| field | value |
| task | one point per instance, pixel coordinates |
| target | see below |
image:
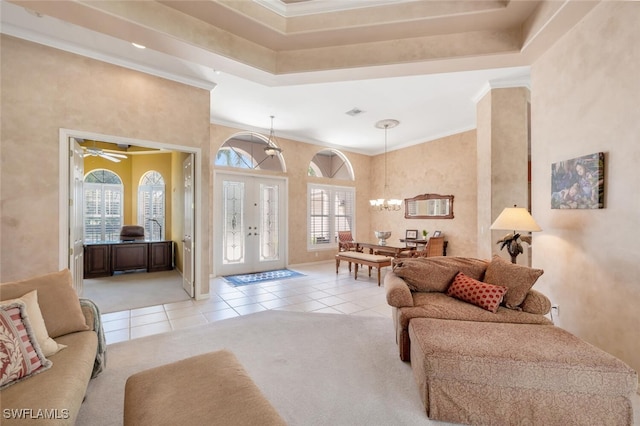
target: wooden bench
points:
(370, 260)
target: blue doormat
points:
(260, 277)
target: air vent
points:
(354, 111)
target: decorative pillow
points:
(434, 274)
(58, 300)
(486, 296)
(536, 303)
(517, 278)
(20, 354)
(47, 344)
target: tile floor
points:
(320, 290)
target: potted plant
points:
(424, 234)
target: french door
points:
(250, 233)
(188, 260)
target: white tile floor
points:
(320, 290)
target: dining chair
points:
(346, 241)
(435, 247)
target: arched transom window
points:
(330, 163)
(247, 151)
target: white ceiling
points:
(308, 106)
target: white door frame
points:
(216, 246)
(63, 225)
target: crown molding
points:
(524, 81)
(35, 37)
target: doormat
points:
(260, 277)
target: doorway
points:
(71, 225)
(250, 218)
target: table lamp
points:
(515, 219)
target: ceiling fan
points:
(97, 152)
(94, 151)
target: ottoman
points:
(208, 389)
(508, 374)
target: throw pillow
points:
(429, 274)
(47, 344)
(20, 354)
(517, 278)
(486, 296)
(58, 300)
(536, 303)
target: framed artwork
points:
(437, 233)
(578, 183)
(411, 234)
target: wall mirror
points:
(429, 206)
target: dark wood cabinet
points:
(103, 259)
(129, 256)
(160, 256)
(97, 260)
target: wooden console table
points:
(423, 242)
(102, 259)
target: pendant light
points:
(272, 149)
(381, 204)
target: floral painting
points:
(578, 183)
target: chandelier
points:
(385, 203)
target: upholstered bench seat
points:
(208, 389)
(370, 260)
(507, 374)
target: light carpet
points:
(134, 290)
(316, 369)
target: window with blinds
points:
(103, 207)
(151, 205)
(331, 209)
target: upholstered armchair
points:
(346, 242)
(435, 247)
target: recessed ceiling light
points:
(139, 46)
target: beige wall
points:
(445, 166)
(503, 155)
(45, 89)
(585, 93)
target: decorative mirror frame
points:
(425, 197)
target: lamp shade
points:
(515, 219)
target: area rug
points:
(259, 277)
(314, 368)
(134, 290)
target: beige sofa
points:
(70, 346)
(417, 288)
(482, 350)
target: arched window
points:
(234, 157)
(103, 207)
(151, 205)
(330, 163)
(247, 151)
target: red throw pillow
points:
(486, 296)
